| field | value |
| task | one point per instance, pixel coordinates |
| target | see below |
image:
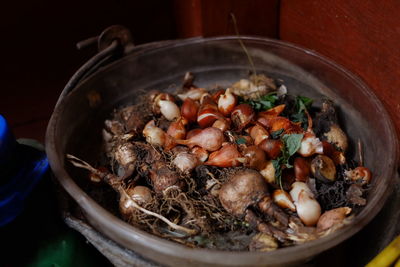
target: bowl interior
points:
(76, 126)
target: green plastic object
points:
(67, 249)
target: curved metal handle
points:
(113, 42)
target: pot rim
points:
(159, 245)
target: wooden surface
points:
(211, 18)
(363, 36)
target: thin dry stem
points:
(242, 44)
(158, 216)
(360, 152)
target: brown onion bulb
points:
(177, 129)
(272, 147)
(223, 124)
(283, 199)
(359, 174)
(200, 153)
(227, 156)
(209, 138)
(301, 169)
(242, 115)
(255, 158)
(277, 123)
(227, 102)
(328, 148)
(272, 112)
(263, 121)
(258, 133)
(193, 132)
(189, 109)
(217, 95)
(140, 194)
(207, 117)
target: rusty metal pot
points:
(75, 127)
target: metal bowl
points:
(75, 128)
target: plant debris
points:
(248, 167)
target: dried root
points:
(116, 184)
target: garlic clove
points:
(169, 109)
(310, 145)
(154, 135)
(186, 162)
(297, 187)
(332, 217)
(268, 172)
(307, 208)
(192, 93)
(283, 200)
(200, 153)
(157, 97)
(226, 102)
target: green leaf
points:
(263, 103)
(278, 170)
(302, 105)
(277, 134)
(292, 142)
(266, 104)
(241, 141)
(271, 97)
(306, 101)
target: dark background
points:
(39, 53)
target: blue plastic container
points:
(21, 167)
